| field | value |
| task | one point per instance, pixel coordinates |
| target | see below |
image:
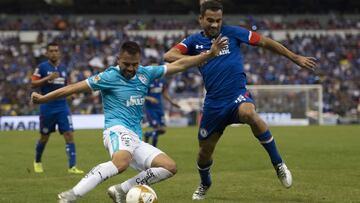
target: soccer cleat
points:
(67, 197)
(117, 194)
(38, 167)
(75, 170)
(284, 175)
(200, 192)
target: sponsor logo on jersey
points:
(142, 78)
(135, 101)
(240, 99)
(199, 46)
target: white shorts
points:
(120, 138)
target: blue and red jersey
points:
(224, 76)
(44, 69)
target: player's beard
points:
(127, 74)
(54, 60)
(213, 32)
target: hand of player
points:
(218, 44)
(152, 100)
(176, 105)
(36, 98)
(305, 62)
(52, 76)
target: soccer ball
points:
(141, 194)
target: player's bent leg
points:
(205, 162)
(120, 161)
(71, 153)
(154, 166)
(260, 130)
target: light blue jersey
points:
(123, 99)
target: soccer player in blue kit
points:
(123, 89)
(227, 100)
(154, 109)
(49, 76)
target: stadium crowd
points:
(86, 54)
(63, 22)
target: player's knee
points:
(121, 160)
(44, 139)
(171, 166)
(121, 166)
(247, 115)
(205, 154)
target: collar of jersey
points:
(118, 68)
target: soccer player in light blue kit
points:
(154, 109)
(123, 89)
(227, 99)
(49, 76)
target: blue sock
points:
(155, 136)
(39, 151)
(147, 136)
(204, 171)
(71, 153)
(268, 142)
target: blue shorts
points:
(62, 119)
(155, 118)
(215, 120)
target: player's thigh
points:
(207, 146)
(119, 138)
(64, 121)
(144, 156)
(213, 121)
(47, 123)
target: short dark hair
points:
(213, 5)
(52, 44)
(130, 47)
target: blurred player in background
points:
(123, 89)
(49, 76)
(154, 109)
(227, 99)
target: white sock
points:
(97, 175)
(148, 177)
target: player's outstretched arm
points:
(191, 61)
(173, 54)
(62, 92)
(302, 61)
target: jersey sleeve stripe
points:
(182, 47)
(165, 70)
(88, 83)
(254, 38)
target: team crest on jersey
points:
(97, 78)
(142, 78)
(226, 49)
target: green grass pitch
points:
(325, 162)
